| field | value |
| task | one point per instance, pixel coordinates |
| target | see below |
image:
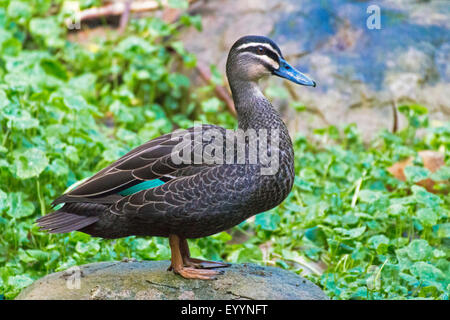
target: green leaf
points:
(424, 197)
(415, 173)
(426, 271)
(351, 233)
(195, 20)
(303, 184)
(59, 167)
(24, 257)
(397, 209)
(268, 220)
(126, 135)
(427, 216)
(46, 28)
(370, 196)
(121, 112)
(11, 47)
(74, 101)
(20, 10)
(417, 108)
(18, 207)
(19, 282)
(3, 200)
(134, 44)
(316, 235)
(178, 47)
(38, 255)
(179, 80)
(54, 68)
(90, 248)
(83, 83)
(4, 101)
(222, 236)
(71, 153)
(249, 253)
(419, 249)
(29, 162)
(404, 260)
(19, 119)
(112, 154)
(211, 105)
(143, 244)
(298, 106)
(339, 170)
(178, 4)
(378, 240)
(442, 174)
(442, 230)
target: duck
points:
(195, 182)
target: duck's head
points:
(254, 57)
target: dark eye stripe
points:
(266, 51)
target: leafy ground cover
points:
(68, 110)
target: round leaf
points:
(416, 173)
(18, 206)
(419, 249)
(29, 162)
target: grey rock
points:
(150, 280)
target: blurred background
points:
(83, 82)
(361, 71)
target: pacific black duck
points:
(149, 192)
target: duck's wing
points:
(147, 166)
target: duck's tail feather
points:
(69, 218)
(62, 222)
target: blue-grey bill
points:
(288, 72)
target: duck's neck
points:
(256, 112)
(252, 107)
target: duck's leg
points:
(178, 267)
(197, 263)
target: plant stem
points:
(40, 197)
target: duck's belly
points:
(214, 220)
(192, 227)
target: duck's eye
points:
(260, 50)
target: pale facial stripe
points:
(256, 44)
(266, 59)
(269, 60)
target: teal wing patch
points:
(149, 184)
